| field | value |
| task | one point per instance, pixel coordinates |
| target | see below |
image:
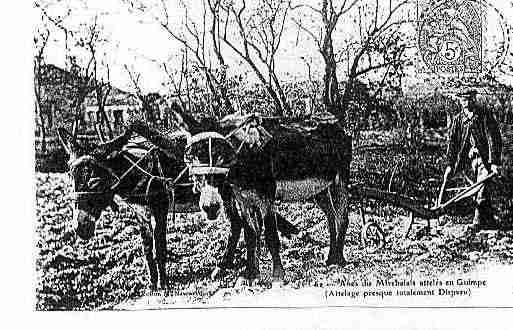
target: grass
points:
(110, 269)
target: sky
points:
(137, 41)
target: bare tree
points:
(84, 67)
(380, 45)
(256, 39)
(313, 85)
(47, 23)
(199, 38)
(102, 89)
(214, 7)
(179, 80)
(378, 29)
(100, 75)
(329, 15)
(82, 46)
(40, 41)
(46, 27)
(150, 106)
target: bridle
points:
(197, 169)
(73, 164)
(170, 184)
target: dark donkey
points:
(289, 165)
(102, 171)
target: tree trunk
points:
(223, 90)
(42, 128)
(102, 92)
(268, 86)
(103, 119)
(284, 104)
(331, 93)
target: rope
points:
(170, 191)
(235, 130)
(134, 164)
(180, 176)
(143, 220)
(173, 207)
(148, 185)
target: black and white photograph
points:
(277, 154)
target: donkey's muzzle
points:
(211, 210)
(85, 227)
(210, 201)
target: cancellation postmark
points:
(450, 36)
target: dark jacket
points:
(484, 128)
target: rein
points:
(169, 183)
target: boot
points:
(483, 217)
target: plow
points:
(373, 236)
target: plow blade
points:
(395, 199)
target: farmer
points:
(474, 143)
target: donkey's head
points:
(92, 180)
(209, 156)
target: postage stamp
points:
(450, 36)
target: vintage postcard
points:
(273, 153)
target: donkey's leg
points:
(233, 238)
(160, 210)
(334, 203)
(273, 244)
(147, 244)
(252, 233)
(252, 225)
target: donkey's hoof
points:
(242, 282)
(217, 273)
(153, 287)
(340, 261)
(165, 288)
(278, 277)
(246, 282)
(277, 283)
(164, 285)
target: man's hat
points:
(467, 93)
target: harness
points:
(214, 166)
(169, 184)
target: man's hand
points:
(496, 169)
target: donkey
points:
(102, 171)
(289, 165)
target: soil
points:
(109, 271)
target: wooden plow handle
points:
(467, 192)
(412, 205)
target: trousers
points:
(483, 214)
